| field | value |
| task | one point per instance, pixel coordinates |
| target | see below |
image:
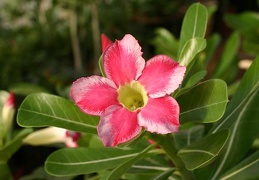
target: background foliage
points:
(50, 43)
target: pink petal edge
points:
(123, 60)
(161, 76)
(118, 125)
(106, 42)
(94, 94)
(160, 115)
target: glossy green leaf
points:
(121, 169)
(247, 169)
(191, 48)
(186, 137)
(228, 55)
(205, 102)
(242, 118)
(12, 146)
(194, 24)
(38, 110)
(76, 161)
(203, 151)
(26, 89)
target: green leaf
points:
(12, 146)
(100, 62)
(38, 110)
(241, 117)
(164, 175)
(5, 171)
(205, 102)
(194, 24)
(121, 169)
(165, 43)
(186, 137)
(228, 55)
(26, 89)
(76, 161)
(203, 151)
(195, 78)
(212, 45)
(247, 88)
(247, 169)
(191, 48)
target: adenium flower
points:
(134, 94)
(52, 135)
(8, 111)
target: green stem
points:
(166, 142)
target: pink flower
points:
(134, 95)
(52, 135)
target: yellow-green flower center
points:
(132, 95)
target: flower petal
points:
(94, 94)
(123, 61)
(161, 76)
(49, 135)
(160, 115)
(118, 125)
(106, 42)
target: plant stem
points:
(166, 142)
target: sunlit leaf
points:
(38, 110)
(74, 161)
(194, 24)
(205, 102)
(203, 151)
(191, 49)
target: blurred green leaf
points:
(26, 89)
(186, 137)
(205, 102)
(194, 24)
(76, 161)
(191, 48)
(12, 146)
(247, 169)
(203, 151)
(228, 56)
(40, 109)
(242, 118)
(212, 45)
(242, 21)
(121, 169)
(165, 43)
(5, 171)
